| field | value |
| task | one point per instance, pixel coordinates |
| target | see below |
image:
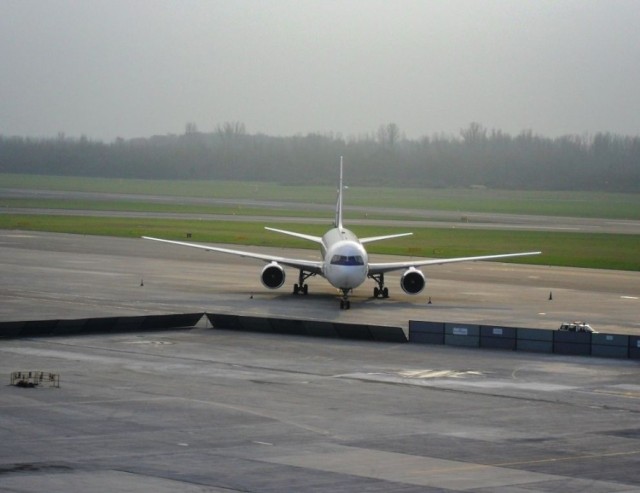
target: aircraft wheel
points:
(305, 289)
(296, 289)
(385, 293)
(376, 292)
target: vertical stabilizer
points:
(338, 223)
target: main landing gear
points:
(380, 291)
(300, 287)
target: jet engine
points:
(412, 281)
(272, 276)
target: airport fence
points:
(315, 328)
(525, 339)
(420, 332)
(62, 327)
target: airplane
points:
(344, 260)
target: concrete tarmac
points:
(207, 410)
(46, 276)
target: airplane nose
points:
(348, 277)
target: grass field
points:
(132, 206)
(572, 204)
(600, 251)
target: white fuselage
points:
(345, 259)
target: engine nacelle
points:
(272, 276)
(412, 281)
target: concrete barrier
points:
(316, 328)
(420, 332)
(576, 343)
(35, 328)
(495, 337)
(610, 345)
(308, 328)
(384, 333)
(467, 335)
(99, 324)
(634, 347)
(534, 340)
(525, 339)
(255, 324)
(11, 329)
(70, 327)
(128, 324)
(171, 321)
(353, 331)
(426, 332)
(224, 321)
(288, 326)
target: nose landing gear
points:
(345, 304)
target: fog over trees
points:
(475, 157)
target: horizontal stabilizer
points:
(386, 237)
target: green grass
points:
(572, 204)
(601, 251)
(155, 207)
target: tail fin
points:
(338, 222)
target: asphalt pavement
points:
(209, 410)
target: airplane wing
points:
(306, 265)
(381, 268)
(316, 239)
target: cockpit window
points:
(347, 260)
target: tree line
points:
(475, 157)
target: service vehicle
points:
(577, 326)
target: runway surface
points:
(208, 410)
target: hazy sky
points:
(138, 68)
